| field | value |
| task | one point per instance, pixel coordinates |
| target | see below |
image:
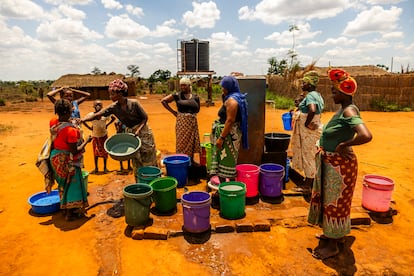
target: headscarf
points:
(186, 81)
(118, 85)
(311, 77)
(232, 86)
(343, 81)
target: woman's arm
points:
(231, 112)
(51, 95)
(309, 117)
(165, 102)
(84, 97)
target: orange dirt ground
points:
(47, 245)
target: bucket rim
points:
(254, 167)
(141, 195)
(237, 183)
(164, 178)
(282, 168)
(191, 202)
(149, 174)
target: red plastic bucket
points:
(249, 175)
(376, 192)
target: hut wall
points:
(391, 89)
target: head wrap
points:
(232, 86)
(343, 81)
(118, 85)
(186, 81)
(311, 77)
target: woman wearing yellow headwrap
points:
(337, 167)
(307, 129)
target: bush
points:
(2, 102)
(380, 104)
(280, 102)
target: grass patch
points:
(280, 102)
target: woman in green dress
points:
(337, 167)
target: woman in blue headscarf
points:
(229, 130)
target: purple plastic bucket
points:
(196, 211)
(271, 179)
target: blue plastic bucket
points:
(177, 167)
(196, 211)
(271, 179)
(287, 121)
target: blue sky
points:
(42, 40)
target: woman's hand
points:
(345, 151)
(219, 143)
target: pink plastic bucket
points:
(376, 193)
(249, 175)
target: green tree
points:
(160, 75)
(277, 67)
(134, 70)
(96, 71)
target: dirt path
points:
(47, 245)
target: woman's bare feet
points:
(329, 250)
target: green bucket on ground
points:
(232, 199)
(137, 204)
(85, 175)
(165, 193)
(147, 174)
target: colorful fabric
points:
(146, 155)
(311, 77)
(343, 81)
(98, 146)
(224, 161)
(186, 134)
(304, 144)
(232, 86)
(333, 188)
(72, 190)
(118, 85)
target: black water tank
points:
(195, 55)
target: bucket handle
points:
(139, 202)
(188, 207)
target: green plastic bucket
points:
(165, 193)
(85, 175)
(137, 204)
(147, 174)
(232, 199)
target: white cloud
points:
(65, 29)
(286, 37)
(374, 20)
(330, 42)
(123, 27)
(204, 15)
(276, 12)
(137, 11)
(165, 29)
(111, 4)
(71, 12)
(225, 41)
(20, 9)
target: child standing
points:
(120, 128)
(99, 136)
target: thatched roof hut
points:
(96, 85)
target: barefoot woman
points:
(337, 167)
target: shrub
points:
(280, 102)
(2, 102)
